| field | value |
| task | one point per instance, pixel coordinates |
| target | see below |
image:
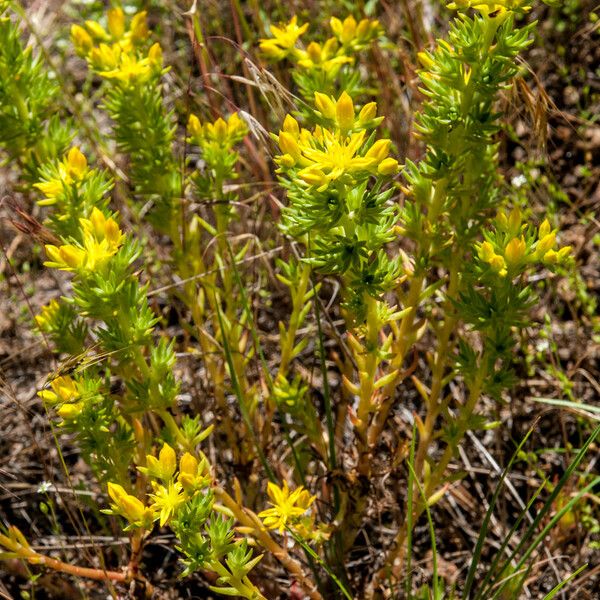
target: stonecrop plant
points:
(233, 386)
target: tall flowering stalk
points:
(452, 197)
(120, 53)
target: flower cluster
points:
(182, 498)
(133, 98)
(171, 488)
(343, 154)
(216, 141)
(514, 245)
(317, 66)
(118, 52)
(101, 238)
(492, 7)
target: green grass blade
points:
(547, 507)
(434, 562)
(538, 540)
(562, 584)
(486, 521)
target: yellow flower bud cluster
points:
(118, 52)
(223, 133)
(324, 155)
(327, 58)
(514, 245)
(492, 7)
(101, 237)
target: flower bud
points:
(486, 251)
(515, 251)
(290, 125)
(97, 31)
(76, 163)
(344, 110)
(155, 56)
(194, 126)
(379, 150)
(289, 145)
(139, 27)
(514, 220)
(545, 229)
(368, 112)
(81, 40)
(388, 166)
(325, 105)
(348, 30)
(116, 22)
(546, 243)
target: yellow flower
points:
(130, 69)
(105, 57)
(287, 507)
(71, 170)
(162, 467)
(324, 58)
(166, 500)
(116, 22)
(101, 240)
(193, 474)
(355, 35)
(515, 251)
(100, 228)
(284, 39)
(346, 30)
